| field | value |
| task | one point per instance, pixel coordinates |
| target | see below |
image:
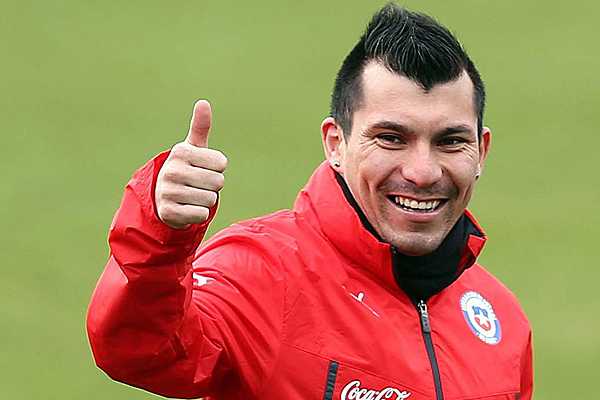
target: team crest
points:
(480, 317)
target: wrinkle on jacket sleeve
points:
(153, 323)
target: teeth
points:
(417, 205)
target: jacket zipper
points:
(426, 331)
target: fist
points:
(191, 177)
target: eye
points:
(452, 142)
(390, 140)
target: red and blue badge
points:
(480, 317)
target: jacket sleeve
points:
(527, 371)
(154, 323)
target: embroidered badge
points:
(480, 317)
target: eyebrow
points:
(389, 125)
(398, 127)
(460, 128)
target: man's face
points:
(412, 158)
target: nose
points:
(421, 167)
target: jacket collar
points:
(341, 221)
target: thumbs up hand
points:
(192, 175)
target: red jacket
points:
(299, 304)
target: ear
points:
(484, 147)
(332, 137)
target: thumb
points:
(200, 125)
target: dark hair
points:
(410, 44)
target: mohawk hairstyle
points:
(410, 44)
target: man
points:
(368, 289)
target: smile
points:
(413, 205)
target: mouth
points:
(417, 206)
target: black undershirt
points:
(420, 277)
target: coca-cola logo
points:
(353, 391)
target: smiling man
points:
(367, 289)
(411, 156)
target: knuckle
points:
(159, 198)
(203, 213)
(211, 199)
(171, 194)
(219, 181)
(181, 151)
(221, 161)
(214, 159)
(165, 212)
(172, 174)
(177, 149)
(200, 215)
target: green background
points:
(89, 90)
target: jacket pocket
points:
(346, 382)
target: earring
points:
(336, 163)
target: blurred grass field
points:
(90, 90)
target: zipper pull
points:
(424, 316)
